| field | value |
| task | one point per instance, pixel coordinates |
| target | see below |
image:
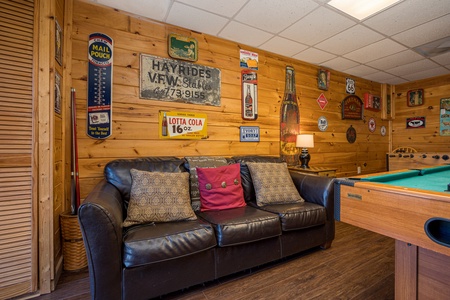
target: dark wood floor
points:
(359, 265)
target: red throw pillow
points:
(220, 188)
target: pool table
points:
(413, 207)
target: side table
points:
(320, 171)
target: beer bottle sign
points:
(289, 121)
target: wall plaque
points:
(182, 125)
(178, 81)
(352, 108)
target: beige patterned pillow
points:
(158, 197)
(273, 184)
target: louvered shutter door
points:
(17, 243)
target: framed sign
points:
(372, 102)
(415, 122)
(352, 108)
(183, 47)
(323, 79)
(172, 80)
(249, 81)
(415, 97)
(182, 125)
(445, 117)
(249, 134)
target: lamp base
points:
(304, 159)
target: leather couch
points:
(150, 260)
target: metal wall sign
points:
(182, 125)
(99, 100)
(179, 81)
(249, 133)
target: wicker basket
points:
(74, 253)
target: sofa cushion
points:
(117, 172)
(220, 188)
(273, 184)
(247, 183)
(159, 197)
(296, 216)
(194, 162)
(152, 243)
(242, 225)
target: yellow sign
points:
(182, 125)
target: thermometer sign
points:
(100, 54)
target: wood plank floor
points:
(359, 265)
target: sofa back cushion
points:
(117, 172)
(247, 183)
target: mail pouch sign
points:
(172, 80)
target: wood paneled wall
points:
(425, 139)
(135, 128)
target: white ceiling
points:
(381, 48)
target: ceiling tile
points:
(351, 39)
(198, 20)
(442, 59)
(395, 60)
(153, 9)
(317, 26)
(225, 8)
(314, 56)
(244, 34)
(340, 63)
(408, 14)
(413, 67)
(433, 30)
(283, 46)
(381, 77)
(361, 70)
(274, 16)
(375, 51)
(426, 74)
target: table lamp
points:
(305, 141)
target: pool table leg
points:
(405, 271)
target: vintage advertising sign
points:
(182, 125)
(249, 81)
(445, 117)
(352, 108)
(179, 81)
(99, 99)
(322, 101)
(415, 122)
(249, 134)
(183, 47)
(248, 59)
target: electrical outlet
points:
(358, 170)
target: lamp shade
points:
(305, 141)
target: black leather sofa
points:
(147, 261)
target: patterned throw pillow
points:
(220, 188)
(273, 184)
(195, 162)
(158, 197)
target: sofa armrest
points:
(319, 190)
(101, 217)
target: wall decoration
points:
(351, 134)
(415, 97)
(322, 101)
(58, 43)
(171, 80)
(372, 125)
(350, 87)
(248, 59)
(445, 117)
(322, 123)
(372, 102)
(249, 133)
(249, 86)
(57, 104)
(323, 79)
(183, 47)
(352, 108)
(99, 102)
(182, 125)
(289, 121)
(383, 130)
(415, 122)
